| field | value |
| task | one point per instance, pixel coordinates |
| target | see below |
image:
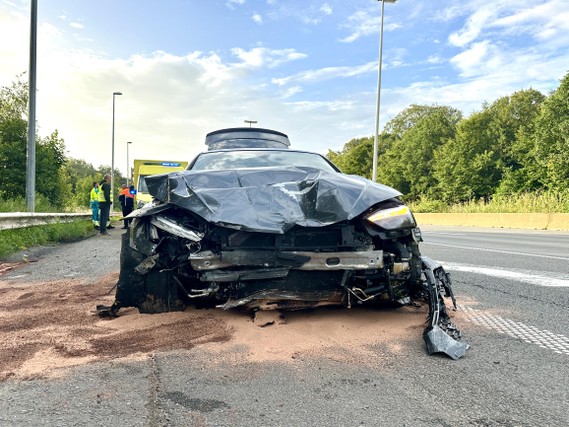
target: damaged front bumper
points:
(440, 335)
(167, 263)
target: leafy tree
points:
(408, 118)
(551, 139)
(514, 118)
(79, 170)
(83, 186)
(485, 150)
(13, 142)
(464, 166)
(14, 100)
(390, 167)
(51, 178)
(355, 158)
(50, 159)
(407, 164)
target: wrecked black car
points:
(254, 224)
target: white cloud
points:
(257, 18)
(313, 15)
(255, 57)
(326, 73)
(487, 38)
(364, 23)
(474, 26)
(13, 55)
(261, 56)
(447, 14)
(473, 61)
(291, 91)
(231, 3)
(76, 25)
(310, 14)
(435, 59)
(546, 20)
(326, 9)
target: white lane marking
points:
(530, 334)
(499, 251)
(519, 275)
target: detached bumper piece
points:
(440, 335)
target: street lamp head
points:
(129, 142)
(388, 1)
(117, 93)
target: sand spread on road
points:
(47, 326)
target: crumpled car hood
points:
(270, 200)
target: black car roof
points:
(246, 138)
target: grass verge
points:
(546, 202)
(12, 241)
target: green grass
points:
(12, 241)
(19, 204)
(546, 202)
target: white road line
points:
(530, 334)
(499, 251)
(519, 275)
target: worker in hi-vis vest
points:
(94, 204)
(105, 202)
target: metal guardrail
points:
(556, 221)
(11, 220)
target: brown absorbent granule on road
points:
(51, 325)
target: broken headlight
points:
(393, 218)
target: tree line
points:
(517, 144)
(62, 183)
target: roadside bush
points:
(537, 202)
(18, 204)
(426, 205)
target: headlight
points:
(393, 218)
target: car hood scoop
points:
(269, 200)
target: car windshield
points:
(142, 186)
(223, 160)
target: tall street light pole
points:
(376, 139)
(31, 145)
(127, 163)
(113, 150)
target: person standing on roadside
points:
(127, 203)
(105, 202)
(94, 204)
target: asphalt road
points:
(513, 291)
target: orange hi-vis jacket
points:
(126, 192)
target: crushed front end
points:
(330, 255)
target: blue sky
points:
(307, 68)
